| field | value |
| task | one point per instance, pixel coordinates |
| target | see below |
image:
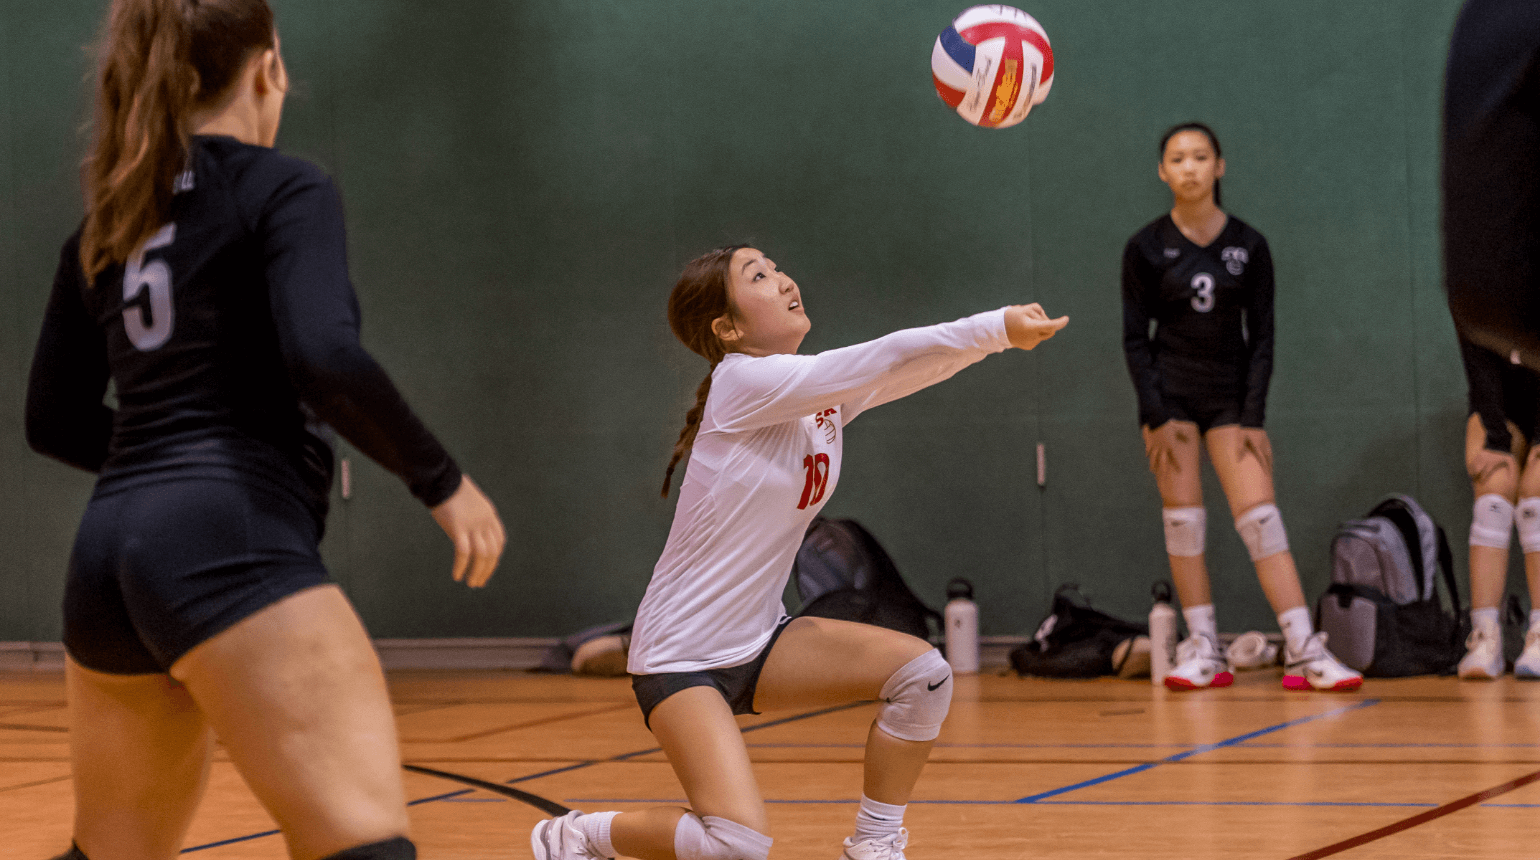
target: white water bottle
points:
(961, 619)
(1162, 633)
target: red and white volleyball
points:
(992, 65)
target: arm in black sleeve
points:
(1484, 378)
(317, 317)
(1138, 294)
(1259, 338)
(66, 418)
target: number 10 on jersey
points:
(817, 466)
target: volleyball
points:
(992, 65)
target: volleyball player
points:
(764, 443)
(209, 284)
(1499, 435)
(1204, 278)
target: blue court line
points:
(1198, 750)
(1161, 746)
(675, 801)
(266, 833)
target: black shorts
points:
(736, 683)
(160, 568)
(1206, 412)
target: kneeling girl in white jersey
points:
(712, 639)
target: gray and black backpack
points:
(1382, 614)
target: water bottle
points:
(961, 618)
(1162, 633)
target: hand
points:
(471, 521)
(1027, 326)
(1160, 449)
(1255, 442)
(1486, 463)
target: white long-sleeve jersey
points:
(765, 461)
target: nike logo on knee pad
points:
(936, 686)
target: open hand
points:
(471, 521)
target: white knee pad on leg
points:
(1186, 530)
(1261, 530)
(1526, 515)
(1491, 522)
(712, 838)
(917, 698)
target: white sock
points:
(876, 820)
(596, 829)
(1486, 616)
(1200, 619)
(1296, 627)
(1534, 619)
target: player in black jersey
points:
(1204, 279)
(209, 284)
(1500, 434)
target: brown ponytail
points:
(699, 299)
(158, 60)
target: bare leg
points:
(296, 694)
(1529, 487)
(1489, 564)
(1248, 482)
(140, 753)
(822, 661)
(1180, 487)
(705, 747)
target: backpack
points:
(842, 572)
(1074, 640)
(1382, 613)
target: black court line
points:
(18, 727)
(1420, 818)
(549, 807)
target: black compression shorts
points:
(1206, 412)
(159, 568)
(736, 683)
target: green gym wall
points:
(524, 181)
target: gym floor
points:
(1408, 768)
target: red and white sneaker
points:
(1314, 668)
(1199, 664)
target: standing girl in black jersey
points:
(209, 284)
(1205, 279)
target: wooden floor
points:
(1416, 768)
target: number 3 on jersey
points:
(147, 309)
(1203, 300)
(817, 466)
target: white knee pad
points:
(1186, 530)
(917, 698)
(1527, 516)
(1491, 522)
(1261, 530)
(713, 838)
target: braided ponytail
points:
(699, 299)
(691, 427)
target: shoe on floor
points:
(560, 839)
(1528, 664)
(1199, 664)
(1483, 660)
(1314, 668)
(886, 848)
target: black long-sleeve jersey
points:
(1501, 391)
(1213, 313)
(226, 337)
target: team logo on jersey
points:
(1235, 259)
(824, 420)
(1172, 253)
